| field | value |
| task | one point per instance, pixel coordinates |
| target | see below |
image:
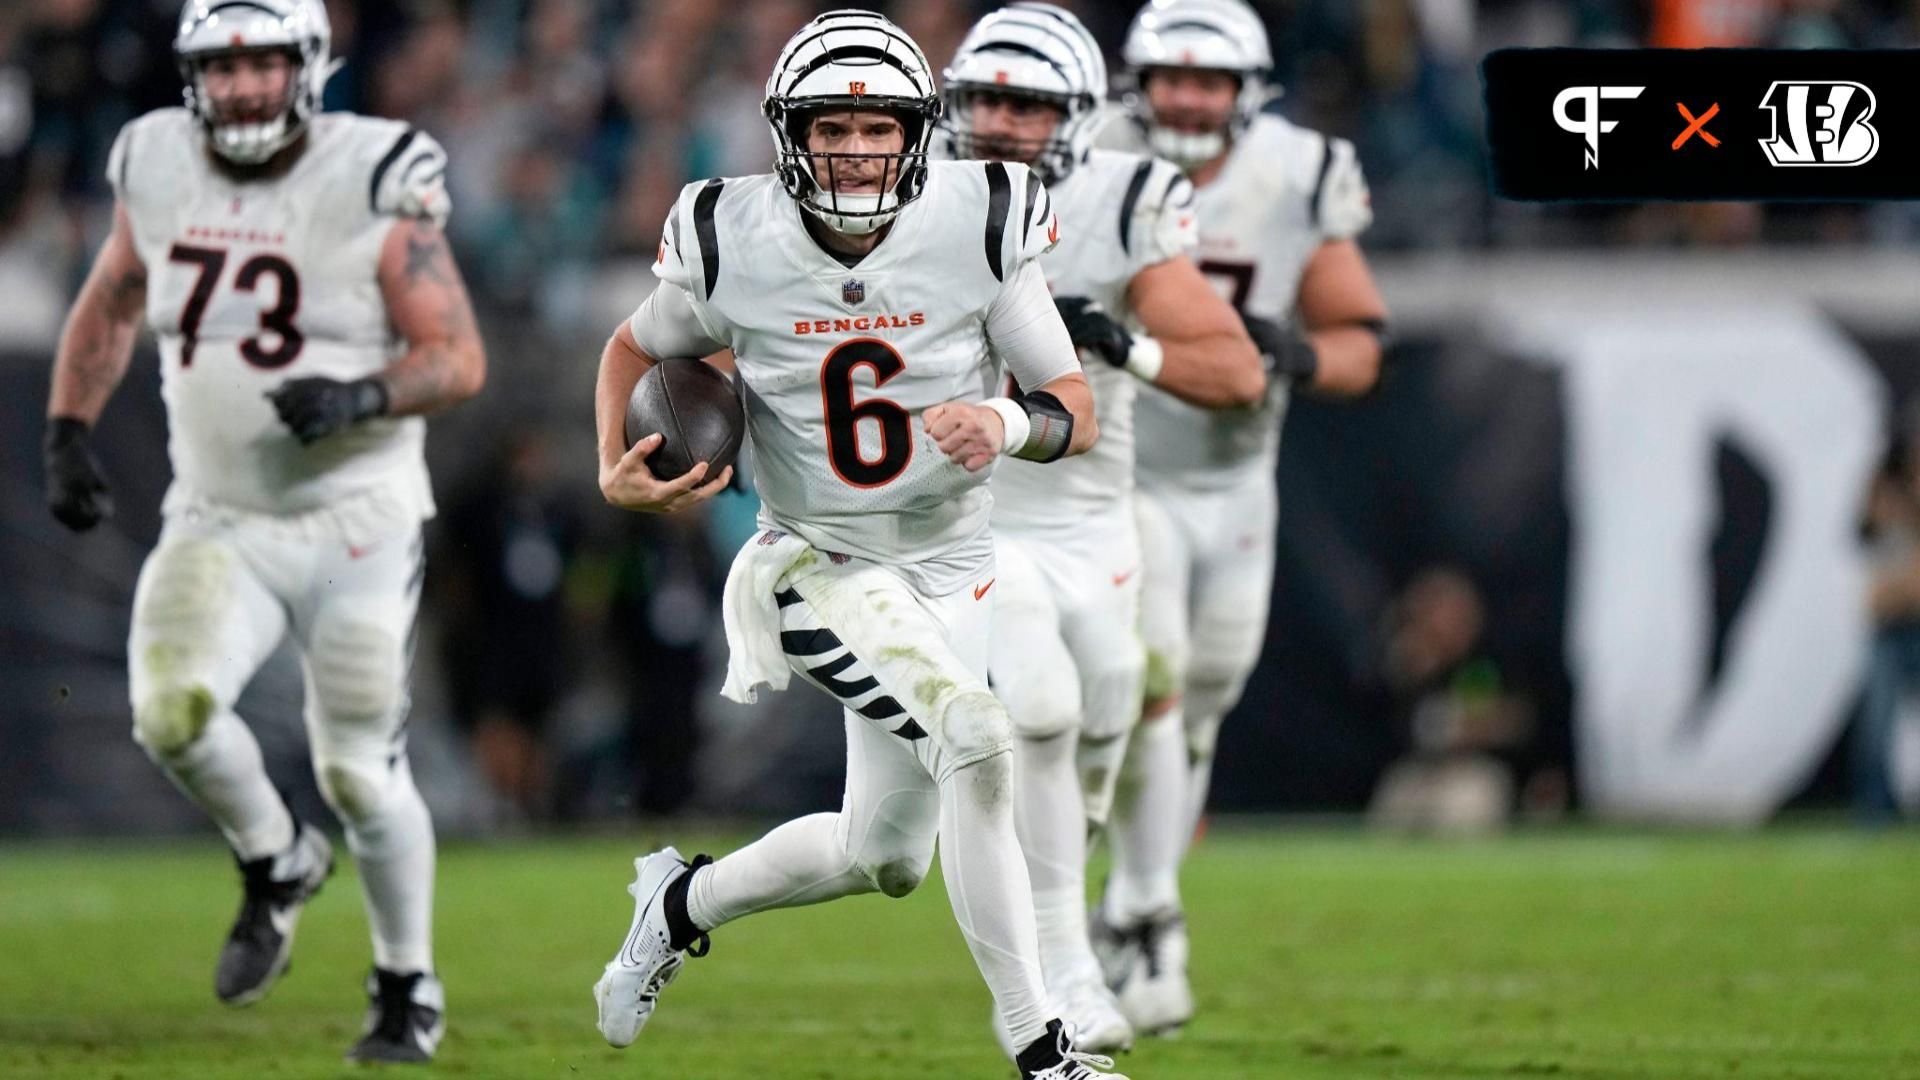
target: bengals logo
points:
(856, 88)
(1824, 123)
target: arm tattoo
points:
(426, 254)
(128, 293)
(435, 369)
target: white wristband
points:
(1014, 419)
(1145, 358)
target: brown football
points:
(695, 407)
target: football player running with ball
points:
(308, 314)
(869, 298)
(1278, 209)
(1028, 84)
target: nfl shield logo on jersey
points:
(853, 290)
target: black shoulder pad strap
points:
(1131, 200)
(1033, 196)
(999, 198)
(380, 171)
(1320, 181)
(126, 155)
(705, 234)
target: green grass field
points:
(1793, 953)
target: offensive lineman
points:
(867, 297)
(1278, 208)
(1027, 84)
(308, 313)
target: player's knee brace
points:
(893, 841)
(1163, 678)
(1041, 711)
(357, 787)
(1113, 697)
(357, 673)
(168, 720)
(1203, 733)
(1210, 695)
(974, 727)
(895, 874)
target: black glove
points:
(1285, 351)
(1091, 328)
(76, 493)
(314, 407)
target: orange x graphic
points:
(1697, 124)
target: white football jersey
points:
(837, 365)
(1120, 213)
(252, 283)
(1283, 192)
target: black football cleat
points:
(259, 948)
(1052, 1057)
(406, 1016)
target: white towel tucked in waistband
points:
(752, 615)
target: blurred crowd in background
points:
(573, 123)
(571, 126)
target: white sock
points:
(1060, 916)
(1150, 825)
(802, 862)
(223, 773)
(1099, 762)
(1047, 808)
(991, 894)
(1199, 779)
(394, 849)
(1046, 811)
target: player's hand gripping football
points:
(629, 484)
(76, 492)
(315, 407)
(970, 435)
(1093, 330)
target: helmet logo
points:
(856, 88)
(1186, 56)
(1002, 77)
(238, 41)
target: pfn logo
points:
(1826, 124)
(1589, 125)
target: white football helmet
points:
(851, 60)
(1033, 50)
(211, 28)
(1219, 35)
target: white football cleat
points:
(1099, 1024)
(647, 961)
(1117, 949)
(1153, 991)
(1090, 1011)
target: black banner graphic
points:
(1733, 124)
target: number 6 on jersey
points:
(843, 414)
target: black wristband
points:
(1050, 427)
